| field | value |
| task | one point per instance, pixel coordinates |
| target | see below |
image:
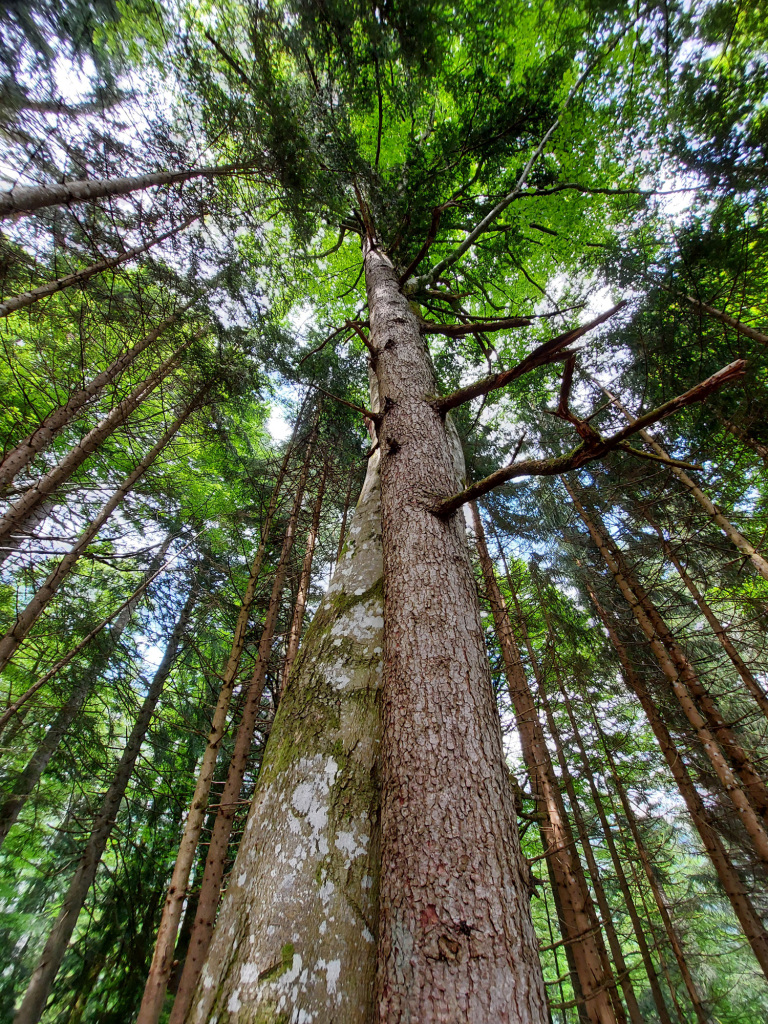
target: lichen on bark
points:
(295, 941)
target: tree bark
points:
(579, 921)
(26, 199)
(162, 959)
(738, 540)
(343, 527)
(18, 458)
(685, 685)
(297, 620)
(295, 936)
(48, 965)
(456, 940)
(661, 904)
(32, 773)
(748, 918)
(26, 619)
(18, 514)
(16, 302)
(213, 874)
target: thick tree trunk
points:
(162, 959)
(213, 874)
(20, 456)
(45, 972)
(26, 619)
(297, 619)
(295, 937)
(26, 199)
(19, 512)
(16, 302)
(685, 686)
(579, 922)
(750, 922)
(32, 773)
(661, 904)
(738, 540)
(456, 939)
(752, 685)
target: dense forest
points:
(384, 512)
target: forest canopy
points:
(383, 512)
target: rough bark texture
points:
(295, 937)
(47, 967)
(456, 940)
(20, 511)
(685, 686)
(752, 926)
(578, 921)
(213, 873)
(15, 302)
(162, 958)
(20, 457)
(26, 619)
(26, 199)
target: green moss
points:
(286, 962)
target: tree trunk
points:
(18, 514)
(738, 540)
(295, 937)
(26, 619)
(685, 685)
(162, 959)
(210, 889)
(20, 456)
(701, 1014)
(456, 940)
(15, 302)
(294, 633)
(45, 972)
(344, 519)
(32, 773)
(626, 892)
(752, 685)
(579, 922)
(750, 922)
(26, 199)
(743, 436)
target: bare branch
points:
(460, 330)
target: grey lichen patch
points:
(295, 938)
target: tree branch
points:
(459, 330)
(549, 352)
(593, 446)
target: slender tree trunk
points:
(19, 457)
(456, 941)
(45, 972)
(701, 1014)
(579, 921)
(738, 540)
(752, 685)
(16, 302)
(717, 314)
(626, 892)
(295, 936)
(27, 199)
(162, 959)
(743, 436)
(685, 686)
(210, 889)
(18, 515)
(750, 922)
(294, 633)
(14, 542)
(26, 619)
(344, 518)
(32, 773)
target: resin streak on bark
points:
(578, 920)
(456, 939)
(295, 937)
